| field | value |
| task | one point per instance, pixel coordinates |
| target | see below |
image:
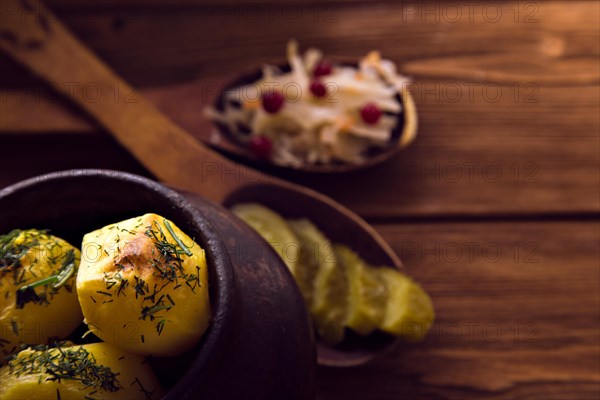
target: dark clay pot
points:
(259, 345)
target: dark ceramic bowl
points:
(260, 343)
(355, 350)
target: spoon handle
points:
(34, 37)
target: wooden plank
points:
(508, 118)
(528, 151)
(144, 4)
(190, 43)
(506, 157)
(517, 315)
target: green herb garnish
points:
(75, 364)
(179, 241)
(26, 293)
(147, 393)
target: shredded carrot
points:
(374, 57)
(345, 124)
(251, 104)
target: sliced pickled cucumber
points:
(367, 294)
(409, 311)
(330, 302)
(322, 281)
(274, 229)
(314, 249)
(339, 288)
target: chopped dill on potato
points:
(74, 363)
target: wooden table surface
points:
(494, 209)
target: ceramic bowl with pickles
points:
(359, 311)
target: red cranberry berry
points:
(370, 113)
(261, 147)
(272, 101)
(318, 89)
(321, 69)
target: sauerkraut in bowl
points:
(318, 112)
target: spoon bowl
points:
(174, 156)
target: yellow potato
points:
(48, 309)
(143, 286)
(98, 371)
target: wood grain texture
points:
(517, 315)
(214, 40)
(51, 52)
(473, 156)
(508, 117)
(541, 135)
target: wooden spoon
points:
(402, 135)
(33, 36)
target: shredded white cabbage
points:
(317, 130)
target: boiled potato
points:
(91, 371)
(37, 289)
(143, 286)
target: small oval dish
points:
(316, 114)
(264, 210)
